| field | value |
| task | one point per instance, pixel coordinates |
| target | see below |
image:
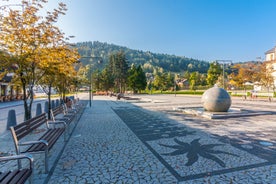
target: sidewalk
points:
(120, 142)
(104, 150)
(145, 141)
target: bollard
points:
(57, 102)
(11, 119)
(53, 104)
(38, 109)
(46, 107)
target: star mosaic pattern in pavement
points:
(194, 150)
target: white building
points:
(270, 54)
(270, 60)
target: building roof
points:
(271, 50)
(6, 79)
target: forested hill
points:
(148, 60)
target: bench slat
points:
(58, 110)
(3, 175)
(51, 136)
(15, 177)
(21, 176)
(40, 121)
(8, 176)
(26, 127)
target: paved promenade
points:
(146, 141)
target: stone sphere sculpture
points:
(216, 99)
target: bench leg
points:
(19, 164)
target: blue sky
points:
(237, 30)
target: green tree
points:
(107, 80)
(163, 81)
(158, 81)
(170, 81)
(194, 80)
(213, 73)
(186, 75)
(202, 79)
(137, 79)
(97, 80)
(118, 65)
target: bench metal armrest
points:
(64, 117)
(71, 112)
(17, 157)
(74, 109)
(33, 142)
(58, 122)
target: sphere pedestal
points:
(216, 99)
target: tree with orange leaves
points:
(28, 39)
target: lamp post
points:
(150, 84)
(223, 69)
(90, 86)
(175, 80)
(90, 77)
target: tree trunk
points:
(49, 101)
(27, 106)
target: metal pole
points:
(223, 74)
(175, 80)
(175, 87)
(90, 94)
(90, 86)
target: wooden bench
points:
(59, 114)
(42, 144)
(19, 175)
(71, 108)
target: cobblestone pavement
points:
(146, 141)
